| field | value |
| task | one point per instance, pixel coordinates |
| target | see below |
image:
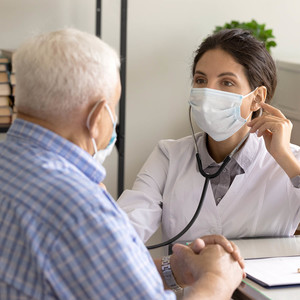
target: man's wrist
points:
(210, 286)
(168, 274)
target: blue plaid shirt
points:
(61, 235)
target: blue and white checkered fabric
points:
(61, 235)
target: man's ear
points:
(95, 118)
(260, 97)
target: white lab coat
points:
(260, 202)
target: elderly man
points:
(62, 236)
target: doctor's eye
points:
(228, 83)
(200, 81)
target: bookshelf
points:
(7, 88)
(4, 129)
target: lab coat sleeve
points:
(296, 180)
(143, 204)
(293, 191)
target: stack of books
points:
(5, 111)
(7, 87)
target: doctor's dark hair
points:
(252, 54)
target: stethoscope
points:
(204, 190)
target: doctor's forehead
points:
(219, 63)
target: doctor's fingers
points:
(269, 109)
(270, 122)
(275, 125)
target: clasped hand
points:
(213, 255)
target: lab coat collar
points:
(243, 157)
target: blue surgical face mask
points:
(217, 113)
(101, 154)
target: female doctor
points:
(258, 192)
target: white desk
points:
(270, 247)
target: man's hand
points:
(183, 275)
(229, 246)
(213, 268)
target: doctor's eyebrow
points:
(220, 75)
(199, 72)
(227, 74)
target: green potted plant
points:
(258, 30)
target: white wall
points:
(162, 37)
(162, 34)
(287, 95)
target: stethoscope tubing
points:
(188, 226)
(204, 190)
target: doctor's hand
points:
(212, 267)
(276, 130)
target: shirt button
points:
(224, 170)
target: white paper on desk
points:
(274, 271)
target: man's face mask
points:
(217, 112)
(100, 155)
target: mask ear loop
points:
(94, 145)
(88, 124)
(91, 113)
(110, 113)
(249, 93)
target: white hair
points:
(60, 72)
